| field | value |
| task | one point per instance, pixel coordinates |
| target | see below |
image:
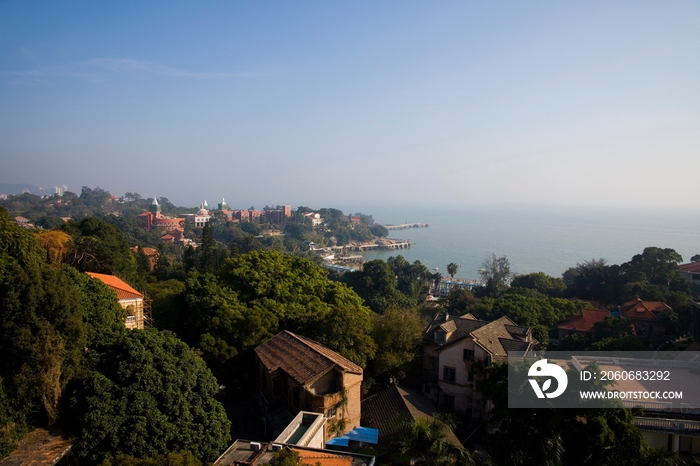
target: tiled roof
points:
(124, 291)
(490, 336)
(301, 358)
(463, 327)
(517, 330)
(510, 345)
(693, 267)
(638, 309)
(585, 321)
(325, 458)
(383, 411)
(40, 447)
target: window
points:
(330, 413)
(448, 374)
(468, 355)
(439, 336)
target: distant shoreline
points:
(404, 226)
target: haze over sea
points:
(535, 239)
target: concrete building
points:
(690, 272)
(306, 376)
(455, 351)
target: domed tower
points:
(223, 205)
(205, 205)
(154, 207)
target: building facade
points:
(306, 376)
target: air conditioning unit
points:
(276, 447)
(255, 446)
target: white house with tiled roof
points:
(307, 376)
(455, 349)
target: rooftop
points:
(497, 338)
(692, 267)
(301, 358)
(383, 411)
(585, 321)
(40, 447)
(638, 309)
(124, 291)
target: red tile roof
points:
(586, 321)
(693, 267)
(638, 309)
(301, 358)
(124, 291)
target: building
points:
(455, 351)
(202, 216)
(279, 215)
(155, 220)
(304, 375)
(315, 218)
(151, 255)
(583, 323)
(129, 299)
(644, 317)
(690, 272)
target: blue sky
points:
(323, 103)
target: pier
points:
(404, 226)
(380, 245)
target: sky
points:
(355, 102)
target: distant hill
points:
(7, 188)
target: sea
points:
(534, 238)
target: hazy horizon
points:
(533, 104)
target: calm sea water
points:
(534, 239)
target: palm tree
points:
(452, 269)
(426, 440)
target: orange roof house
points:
(583, 323)
(129, 299)
(643, 315)
(638, 309)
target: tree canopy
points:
(149, 394)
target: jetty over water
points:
(381, 245)
(404, 226)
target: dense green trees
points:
(575, 436)
(538, 281)
(398, 335)
(62, 331)
(376, 284)
(149, 394)
(183, 458)
(100, 247)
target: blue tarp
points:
(358, 434)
